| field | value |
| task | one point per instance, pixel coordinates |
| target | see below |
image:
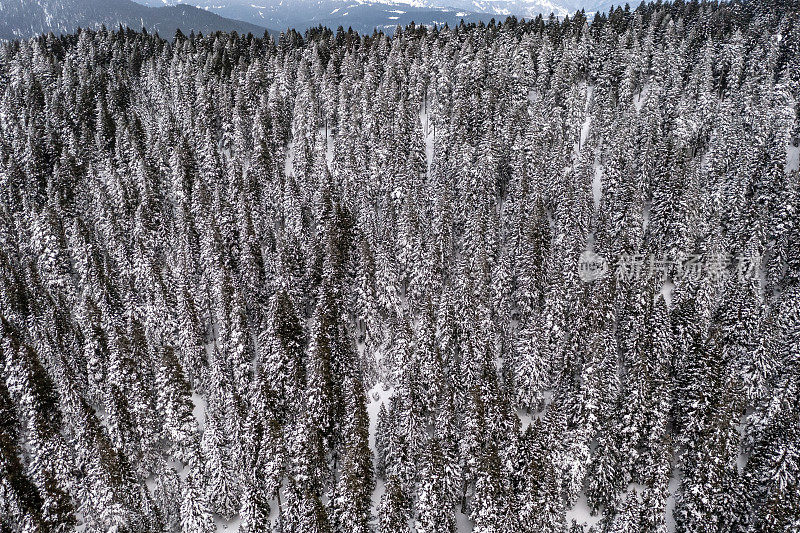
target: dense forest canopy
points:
(530, 276)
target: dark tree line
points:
(217, 252)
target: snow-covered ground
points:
(581, 513)
(376, 396)
(666, 292)
(597, 184)
(288, 165)
(640, 99)
(199, 410)
(463, 524)
(428, 133)
(792, 158)
(674, 483)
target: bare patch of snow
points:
(150, 483)
(597, 185)
(287, 168)
(377, 494)
(199, 410)
(463, 523)
(674, 483)
(666, 291)
(329, 150)
(581, 513)
(428, 133)
(525, 419)
(585, 130)
(792, 159)
(639, 99)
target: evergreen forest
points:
(518, 277)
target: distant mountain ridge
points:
(531, 8)
(366, 15)
(27, 18)
(361, 15)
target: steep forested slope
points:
(27, 18)
(489, 277)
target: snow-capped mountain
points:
(525, 8)
(531, 8)
(24, 18)
(365, 15)
(360, 15)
